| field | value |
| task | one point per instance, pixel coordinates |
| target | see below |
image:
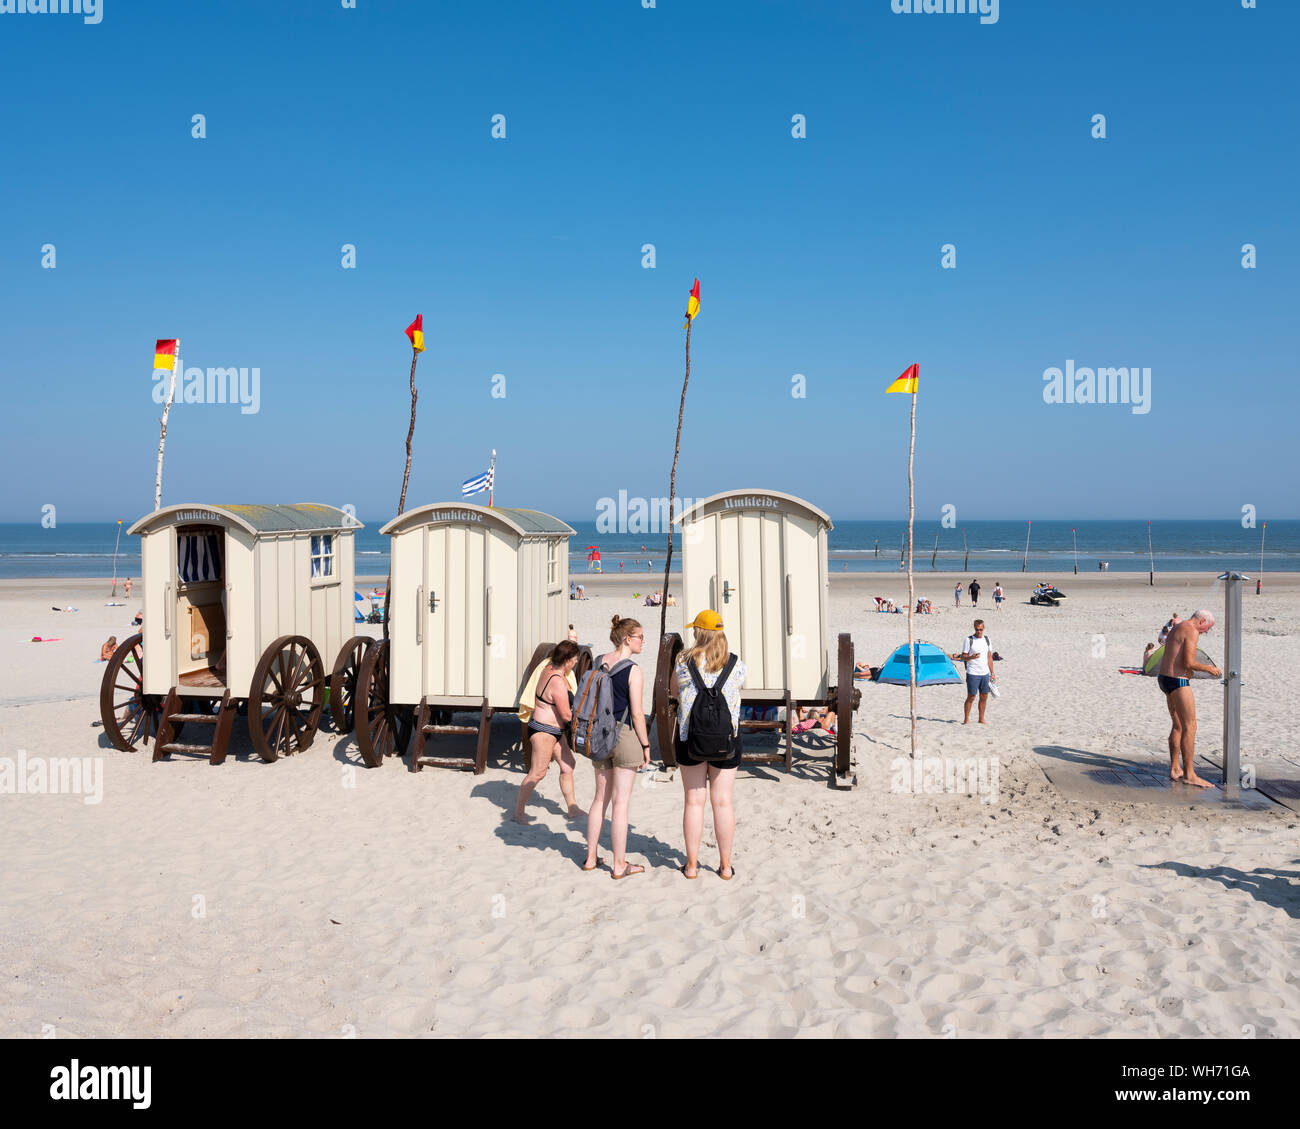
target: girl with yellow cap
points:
(703, 664)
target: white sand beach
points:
(316, 897)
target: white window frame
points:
(322, 553)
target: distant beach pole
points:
(877, 547)
(1259, 581)
(1232, 684)
(1024, 563)
(1075, 533)
(936, 551)
(1151, 576)
(119, 541)
(692, 308)
(965, 564)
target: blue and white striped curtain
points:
(198, 557)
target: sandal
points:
(727, 877)
(689, 877)
(632, 868)
(599, 863)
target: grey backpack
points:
(595, 728)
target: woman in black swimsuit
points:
(545, 730)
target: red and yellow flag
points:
(164, 354)
(415, 331)
(907, 382)
(692, 304)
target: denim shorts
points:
(977, 683)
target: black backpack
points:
(710, 735)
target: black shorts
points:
(1169, 685)
(684, 757)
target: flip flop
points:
(727, 877)
(632, 868)
(599, 863)
(689, 877)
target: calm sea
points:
(86, 549)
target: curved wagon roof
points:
(299, 517)
(745, 499)
(522, 523)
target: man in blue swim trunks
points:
(1176, 670)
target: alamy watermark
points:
(626, 514)
(53, 776)
(987, 10)
(938, 776)
(242, 386)
(1100, 386)
(90, 11)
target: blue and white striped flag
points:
(477, 484)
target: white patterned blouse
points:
(686, 692)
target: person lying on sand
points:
(1175, 681)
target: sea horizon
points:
(86, 549)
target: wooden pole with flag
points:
(692, 308)
(492, 476)
(165, 353)
(908, 383)
(115, 545)
(415, 331)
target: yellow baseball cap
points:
(707, 620)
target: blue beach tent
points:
(933, 667)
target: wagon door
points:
(748, 590)
(454, 642)
(158, 579)
(805, 612)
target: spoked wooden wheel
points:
(665, 699)
(384, 729)
(128, 713)
(846, 697)
(286, 698)
(343, 682)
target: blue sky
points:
(671, 126)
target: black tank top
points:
(618, 689)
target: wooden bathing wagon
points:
(759, 559)
(240, 602)
(478, 596)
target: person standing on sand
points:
(974, 593)
(1175, 681)
(977, 654)
(616, 776)
(956, 595)
(551, 712)
(707, 659)
(997, 596)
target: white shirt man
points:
(977, 654)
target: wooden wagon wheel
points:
(665, 697)
(846, 698)
(343, 682)
(128, 713)
(286, 698)
(384, 729)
